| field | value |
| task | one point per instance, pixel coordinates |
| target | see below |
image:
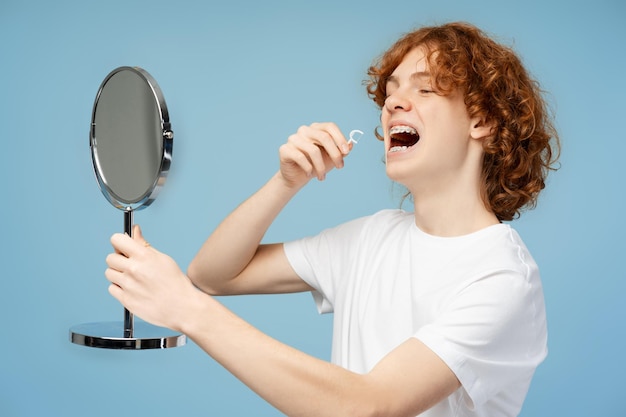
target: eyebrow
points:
(413, 77)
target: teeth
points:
(398, 149)
(402, 129)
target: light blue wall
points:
(239, 77)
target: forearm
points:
(295, 383)
(407, 381)
(311, 152)
(236, 240)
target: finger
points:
(303, 150)
(118, 262)
(117, 293)
(330, 149)
(338, 137)
(325, 150)
(115, 277)
(138, 236)
(124, 244)
(315, 152)
(291, 154)
(333, 141)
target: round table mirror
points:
(131, 143)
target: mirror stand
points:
(129, 319)
(126, 334)
(131, 148)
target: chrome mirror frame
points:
(167, 145)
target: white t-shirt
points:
(475, 300)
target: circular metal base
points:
(110, 335)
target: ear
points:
(480, 128)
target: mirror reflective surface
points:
(131, 150)
(130, 138)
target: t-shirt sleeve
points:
(322, 260)
(492, 334)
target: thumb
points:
(138, 236)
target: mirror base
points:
(110, 335)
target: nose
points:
(397, 101)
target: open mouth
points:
(402, 137)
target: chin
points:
(397, 174)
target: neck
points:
(449, 220)
(451, 209)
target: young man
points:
(437, 311)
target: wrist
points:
(288, 187)
(195, 311)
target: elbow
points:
(201, 279)
(374, 400)
(363, 401)
(374, 409)
(195, 273)
(367, 408)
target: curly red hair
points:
(524, 145)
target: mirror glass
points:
(130, 138)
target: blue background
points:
(238, 78)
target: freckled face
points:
(427, 135)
